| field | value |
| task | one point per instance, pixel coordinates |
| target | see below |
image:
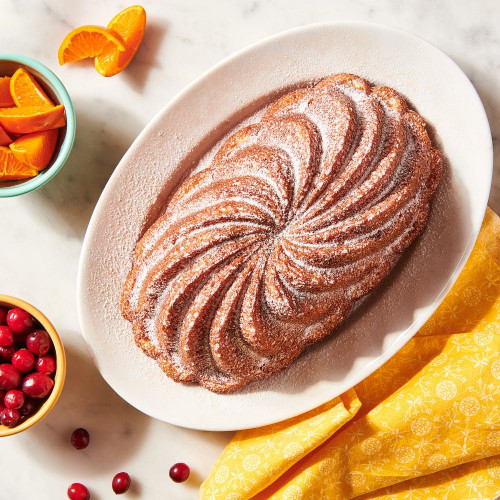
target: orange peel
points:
(5, 140)
(129, 25)
(36, 149)
(6, 100)
(30, 119)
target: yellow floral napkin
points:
(426, 425)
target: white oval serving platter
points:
(192, 122)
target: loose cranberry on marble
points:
(14, 399)
(9, 417)
(46, 364)
(37, 385)
(19, 320)
(78, 491)
(6, 336)
(10, 378)
(23, 360)
(38, 342)
(121, 483)
(80, 438)
(3, 316)
(6, 353)
(179, 472)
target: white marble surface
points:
(41, 233)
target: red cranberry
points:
(23, 360)
(6, 336)
(9, 417)
(19, 320)
(121, 483)
(80, 438)
(38, 342)
(10, 378)
(6, 353)
(179, 472)
(77, 491)
(3, 316)
(46, 364)
(14, 399)
(37, 385)
(28, 408)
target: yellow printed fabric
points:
(426, 425)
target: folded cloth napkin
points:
(426, 425)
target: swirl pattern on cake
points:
(297, 217)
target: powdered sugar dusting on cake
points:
(282, 226)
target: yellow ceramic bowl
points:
(10, 302)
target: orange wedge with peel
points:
(129, 24)
(11, 169)
(88, 41)
(36, 149)
(6, 100)
(26, 91)
(30, 119)
(5, 140)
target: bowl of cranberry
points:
(32, 365)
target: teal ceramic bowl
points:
(9, 63)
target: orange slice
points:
(31, 118)
(5, 140)
(88, 41)
(35, 150)
(26, 91)
(5, 97)
(12, 169)
(129, 24)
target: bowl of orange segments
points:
(37, 125)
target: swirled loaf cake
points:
(297, 217)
